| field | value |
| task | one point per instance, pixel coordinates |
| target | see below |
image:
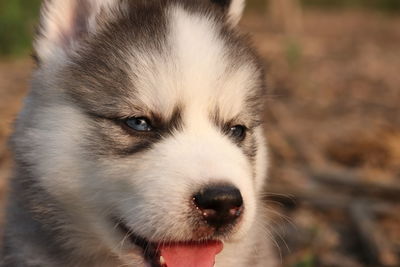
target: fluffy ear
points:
(234, 8)
(63, 23)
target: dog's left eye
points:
(238, 132)
(139, 124)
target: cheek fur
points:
(156, 186)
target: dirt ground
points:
(333, 124)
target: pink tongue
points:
(191, 255)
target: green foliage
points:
(19, 17)
(386, 5)
(294, 52)
(392, 6)
(17, 22)
(389, 5)
(307, 261)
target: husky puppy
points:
(141, 142)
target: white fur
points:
(151, 188)
(151, 191)
(198, 73)
(236, 11)
(58, 20)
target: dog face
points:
(144, 122)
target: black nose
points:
(219, 205)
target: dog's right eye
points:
(139, 124)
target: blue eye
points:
(238, 132)
(139, 124)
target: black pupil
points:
(237, 131)
(139, 124)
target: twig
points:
(350, 181)
(378, 249)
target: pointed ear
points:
(64, 23)
(234, 9)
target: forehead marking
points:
(194, 68)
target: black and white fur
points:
(181, 63)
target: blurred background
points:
(332, 120)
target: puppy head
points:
(139, 110)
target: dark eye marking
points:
(223, 3)
(140, 124)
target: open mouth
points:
(176, 254)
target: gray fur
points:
(72, 126)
